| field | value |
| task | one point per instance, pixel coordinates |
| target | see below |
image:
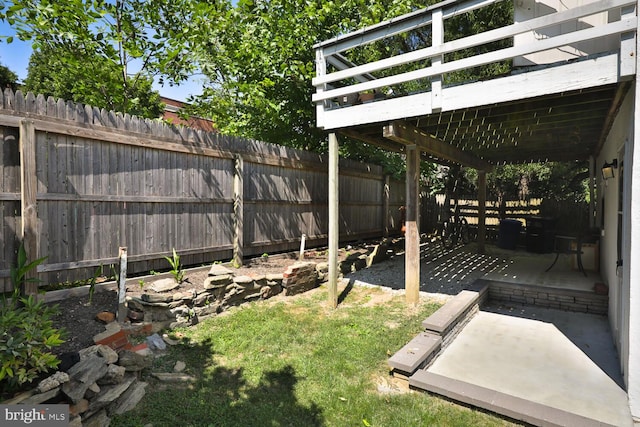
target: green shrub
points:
(26, 331)
(26, 338)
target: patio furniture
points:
(540, 234)
(508, 233)
(569, 245)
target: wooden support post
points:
(385, 206)
(238, 211)
(334, 225)
(28, 185)
(122, 286)
(482, 210)
(412, 236)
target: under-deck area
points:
(507, 351)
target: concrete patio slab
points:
(529, 269)
(563, 364)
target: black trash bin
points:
(541, 233)
(508, 233)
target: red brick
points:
(139, 347)
(116, 336)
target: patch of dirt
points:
(391, 385)
(78, 317)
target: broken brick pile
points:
(98, 384)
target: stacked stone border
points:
(223, 289)
(96, 383)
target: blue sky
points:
(16, 56)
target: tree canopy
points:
(8, 79)
(62, 73)
(111, 49)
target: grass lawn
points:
(294, 362)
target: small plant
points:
(115, 273)
(176, 271)
(92, 282)
(141, 283)
(265, 255)
(18, 273)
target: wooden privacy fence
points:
(77, 183)
(570, 217)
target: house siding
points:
(624, 283)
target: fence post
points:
(592, 195)
(385, 206)
(238, 211)
(122, 286)
(28, 186)
(482, 209)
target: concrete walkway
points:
(555, 365)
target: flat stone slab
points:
(409, 358)
(164, 285)
(219, 270)
(449, 313)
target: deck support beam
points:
(404, 133)
(333, 220)
(412, 235)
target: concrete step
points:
(416, 353)
(446, 316)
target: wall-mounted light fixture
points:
(607, 169)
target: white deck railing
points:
(339, 80)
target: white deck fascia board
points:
(573, 76)
(380, 111)
(582, 74)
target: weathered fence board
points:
(106, 180)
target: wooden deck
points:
(559, 109)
